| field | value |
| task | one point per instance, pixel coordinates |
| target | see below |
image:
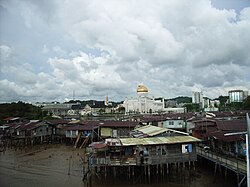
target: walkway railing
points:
(231, 163)
(148, 160)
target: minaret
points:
(107, 101)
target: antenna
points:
(73, 95)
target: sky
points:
(50, 49)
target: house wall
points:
(174, 124)
(71, 133)
(152, 155)
(114, 132)
(190, 125)
(43, 130)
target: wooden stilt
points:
(215, 168)
(133, 173)
(129, 174)
(157, 175)
(167, 169)
(105, 172)
(114, 170)
(149, 174)
(225, 173)
(162, 170)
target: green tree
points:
(20, 109)
(246, 103)
(192, 107)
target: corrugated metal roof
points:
(151, 130)
(158, 140)
(74, 121)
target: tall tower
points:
(197, 97)
(236, 96)
(107, 101)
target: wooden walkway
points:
(233, 164)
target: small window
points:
(164, 152)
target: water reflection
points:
(59, 165)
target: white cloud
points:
(5, 55)
(45, 49)
(172, 47)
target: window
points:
(187, 148)
(171, 122)
(73, 133)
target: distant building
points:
(143, 103)
(63, 109)
(237, 95)
(197, 98)
(210, 105)
(97, 107)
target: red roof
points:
(99, 145)
(119, 124)
(90, 125)
(220, 135)
(7, 119)
(222, 127)
(26, 126)
(158, 118)
(31, 125)
(232, 125)
(111, 123)
(57, 121)
(77, 127)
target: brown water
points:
(59, 165)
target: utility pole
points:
(247, 149)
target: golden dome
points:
(142, 88)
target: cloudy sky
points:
(98, 48)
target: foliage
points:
(182, 99)
(91, 102)
(121, 109)
(20, 109)
(235, 106)
(223, 100)
(246, 104)
(192, 107)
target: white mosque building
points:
(143, 103)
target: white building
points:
(237, 95)
(197, 98)
(143, 103)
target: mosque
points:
(143, 103)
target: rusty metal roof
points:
(158, 140)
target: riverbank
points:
(61, 165)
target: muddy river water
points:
(61, 165)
